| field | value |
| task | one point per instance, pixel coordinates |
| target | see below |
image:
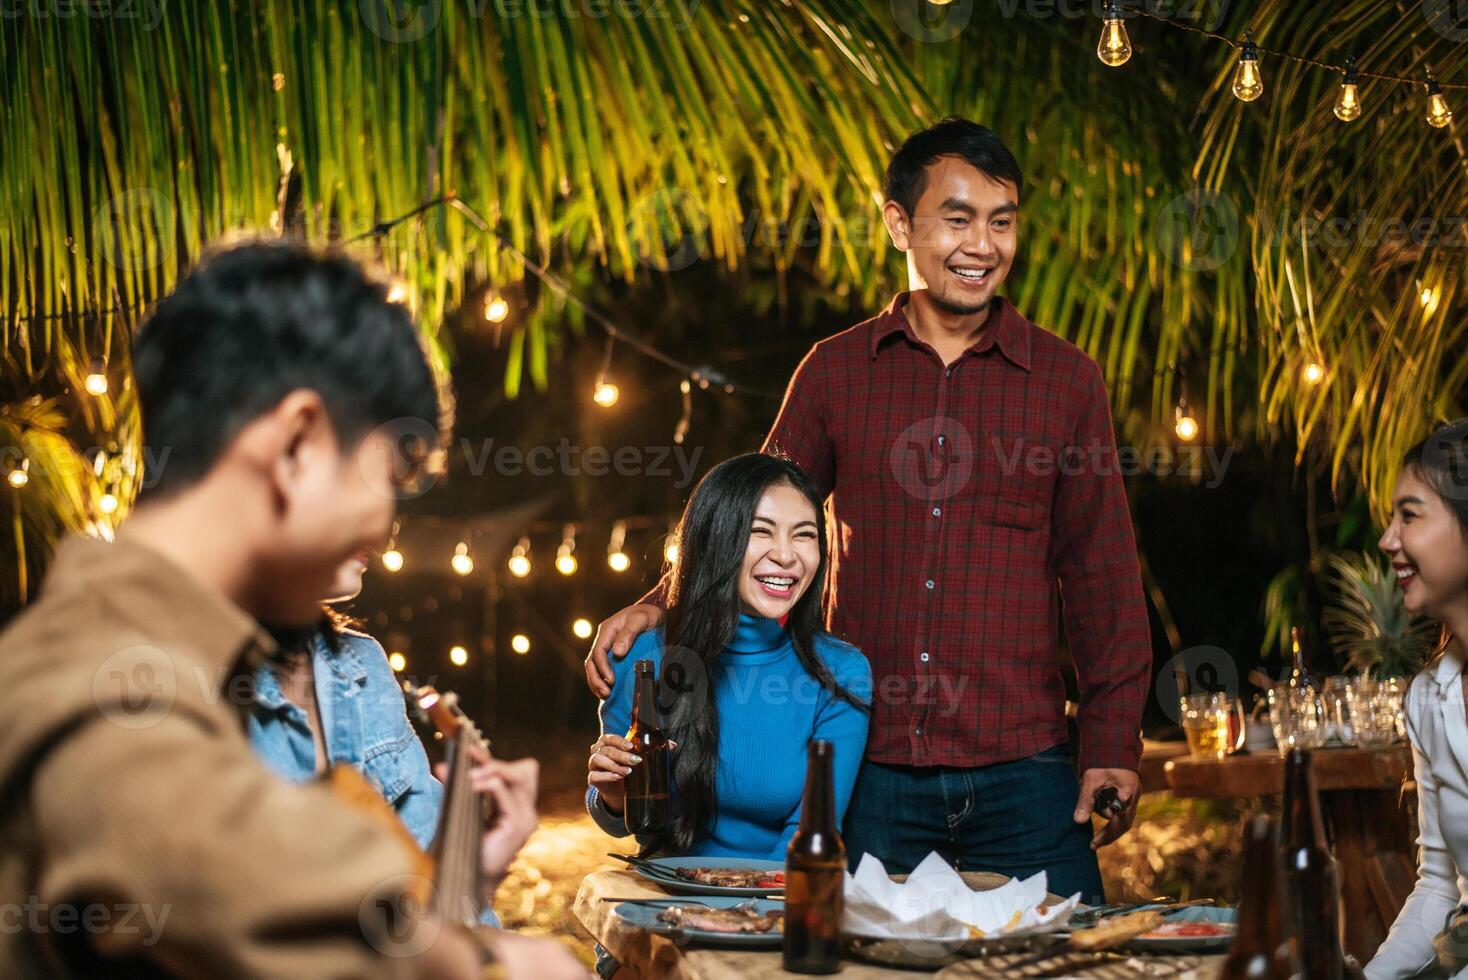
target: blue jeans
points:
(1014, 818)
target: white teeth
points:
(1406, 572)
(975, 274)
(779, 583)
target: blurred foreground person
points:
(286, 405)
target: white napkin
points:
(936, 904)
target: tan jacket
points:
(136, 826)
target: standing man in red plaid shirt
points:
(977, 505)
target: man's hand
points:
(513, 787)
(1128, 787)
(616, 634)
(533, 958)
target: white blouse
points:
(1438, 728)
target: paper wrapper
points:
(936, 904)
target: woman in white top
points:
(1427, 541)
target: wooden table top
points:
(646, 955)
(1262, 774)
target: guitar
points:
(458, 877)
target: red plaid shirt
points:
(964, 502)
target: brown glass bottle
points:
(648, 807)
(1312, 887)
(1262, 950)
(815, 873)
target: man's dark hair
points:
(907, 174)
(255, 321)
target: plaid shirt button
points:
(924, 657)
(929, 583)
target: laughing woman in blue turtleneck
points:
(744, 610)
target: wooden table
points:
(1366, 816)
(643, 955)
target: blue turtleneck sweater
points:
(770, 709)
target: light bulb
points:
(97, 384)
(19, 476)
(566, 563)
(671, 551)
(520, 643)
(607, 394)
(458, 656)
(1313, 373)
(520, 559)
(398, 293)
(1438, 114)
(461, 562)
(618, 561)
(107, 503)
(496, 309)
(582, 628)
(1248, 82)
(397, 661)
(392, 560)
(1115, 47)
(1186, 427)
(1348, 103)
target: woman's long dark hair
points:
(1441, 461)
(703, 613)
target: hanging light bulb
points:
(392, 560)
(617, 559)
(458, 656)
(1115, 47)
(582, 628)
(461, 563)
(1438, 114)
(21, 475)
(397, 662)
(566, 562)
(520, 559)
(520, 643)
(1313, 373)
(107, 503)
(1348, 103)
(496, 308)
(96, 383)
(1184, 424)
(670, 550)
(606, 394)
(1248, 82)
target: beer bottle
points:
(1312, 888)
(648, 809)
(1261, 950)
(815, 873)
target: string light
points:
(670, 550)
(1428, 296)
(96, 383)
(1184, 424)
(606, 393)
(1438, 114)
(582, 628)
(566, 562)
(1248, 82)
(1115, 47)
(617, 559)
(680, 432)
(392, 560)
(397, 662)
(107, 503)
(461, 562)
(496, 308)
(1313, 373)
(520, 643)
(520, 559)
(458, 656)
(20, 475)
(1348, 103)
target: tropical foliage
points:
(1167, 226)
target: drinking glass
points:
(1339, 695)
(1375, 714)
(1213, 724)
(1297, 715)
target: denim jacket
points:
(364, 721)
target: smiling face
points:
(783, 554)
(960, 238)
(1427, 549)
